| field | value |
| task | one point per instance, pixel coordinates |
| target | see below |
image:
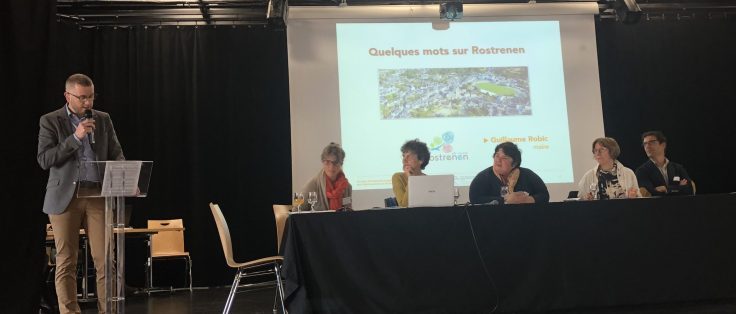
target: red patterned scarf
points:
(335, 190)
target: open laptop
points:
(434, 190)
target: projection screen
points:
(373, 77)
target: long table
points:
(534, 257)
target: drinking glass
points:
(298, 201)
(504, 190)
(312, 199)
(594, 190)
(456, 195)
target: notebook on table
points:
(435, 190)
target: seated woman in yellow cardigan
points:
(415, 157)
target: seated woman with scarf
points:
(334, 192)
(506, 182)
(609, 178)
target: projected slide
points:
(470, 92)
(462, 90)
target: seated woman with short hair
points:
(609, 178)
(334, 192)
(415, 157)
(520, 185)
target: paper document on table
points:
(121, 178)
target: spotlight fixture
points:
(627, 11)
(451, 10)
(277, 12)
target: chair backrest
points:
(692, 183)
(280, 213)
(224, 231)
(167, 242)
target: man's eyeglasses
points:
(647, 143)
(84, 98)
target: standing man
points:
(658, 175)
(65, 139)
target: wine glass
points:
(504, 190)
(594, 190)
(298, 201)
(456, 195)
(312, 199)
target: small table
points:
(147, 232)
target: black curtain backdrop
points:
(210, 107)
(26, 31)
(677, 77)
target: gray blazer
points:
(57, 151)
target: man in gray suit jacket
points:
(65, 139)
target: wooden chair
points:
(280, 213)
(167, 245)
(692, 182)
(245, 269)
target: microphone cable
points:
(480, 256)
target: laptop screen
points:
(436, 190)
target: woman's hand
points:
(520, 197)
(632, 193)
(407, 171)
(587, 197)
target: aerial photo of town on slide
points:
(454, 92)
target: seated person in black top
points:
(506, 182)
(659, 175)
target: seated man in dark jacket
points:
(659, 175)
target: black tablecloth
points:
(536, 256)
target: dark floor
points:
(200, 301)
(700, 307)
(212, 300)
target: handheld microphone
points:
(88, 115)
